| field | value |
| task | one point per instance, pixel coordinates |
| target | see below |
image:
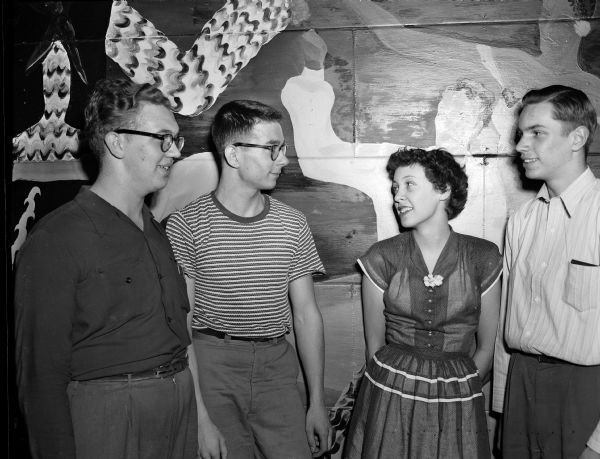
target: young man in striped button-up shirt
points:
(547, 363)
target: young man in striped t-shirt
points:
(244, 253)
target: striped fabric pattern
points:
(242, 266)
(416, 403)
(551, 284)
(413, 384)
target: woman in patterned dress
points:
(431, 300)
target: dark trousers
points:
(250, 391)
(138, 419)
(550, 409)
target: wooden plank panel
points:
(416, 12)
(341, 218)
(344, 342)
(401, 84)
(340, 306)
(265, 76)
(186, 17)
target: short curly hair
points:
(441, 169)
(113, 104)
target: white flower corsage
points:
(433, 281)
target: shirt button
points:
(544, 264)
(129, 280)
(537, 299)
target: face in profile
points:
(146, 164)
(544, 144)
(415, 198)
(257, 168)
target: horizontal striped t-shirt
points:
(242, 266)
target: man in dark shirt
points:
(101, 304)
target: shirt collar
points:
(102, 213)
(574, 192)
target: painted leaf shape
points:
(51, 138)
(193, 80)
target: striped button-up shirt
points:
(551, 282)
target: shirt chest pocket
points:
(116, 288)
(582, 286)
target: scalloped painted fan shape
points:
(193, 80)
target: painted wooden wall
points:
(355, 79)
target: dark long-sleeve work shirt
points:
(94, 296)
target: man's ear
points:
(230, 155)
(112, 142)
(579, 137)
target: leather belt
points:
(545, 358)
(162, 371)
(223, 335)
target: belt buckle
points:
(163, 371)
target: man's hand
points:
(318, 430)
(211, 444)
(589, 453)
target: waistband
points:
(226, 336)
(428, 352)
(166, 370)
(545, 358)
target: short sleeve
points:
(182, 240)
(376, 266)
(306, 259)
(488, 264)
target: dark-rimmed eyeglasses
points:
(275, 150)
(167, 140)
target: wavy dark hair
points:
(238, 117)
(441, 169)
(570, 106)
(113, 104)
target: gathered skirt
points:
(416, 403)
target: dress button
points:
(129, 280)
(428, 344)
(430, 333)
(430, 300)
(430, 311)
(429, 322)
(430, 290)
